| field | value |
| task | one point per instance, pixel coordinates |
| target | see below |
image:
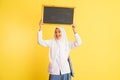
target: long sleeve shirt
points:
(58, 57)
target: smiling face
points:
(58, 34)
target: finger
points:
(73, 25)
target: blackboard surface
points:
(58, 15)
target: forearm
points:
(40, 28)
(74, 31)
(41, 25)
(40, 36)
(78, 40)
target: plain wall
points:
(97, 22)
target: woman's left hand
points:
(73, 26)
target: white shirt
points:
(58, 57)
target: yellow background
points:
(98, 24)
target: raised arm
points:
(77, 41)
(42, 42)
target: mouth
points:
(58, 36)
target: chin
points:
(58, 38)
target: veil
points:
(64, 44)
(64, 39)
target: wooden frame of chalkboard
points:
(57, 14)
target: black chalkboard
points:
(58, 15)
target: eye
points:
(59, 31)
(55, 31)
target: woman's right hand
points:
(41, 24)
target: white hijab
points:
(64, 39)
(63, 42)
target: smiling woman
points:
(98, 23)
(57, 33)
(59, 68)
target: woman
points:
(59, 49)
